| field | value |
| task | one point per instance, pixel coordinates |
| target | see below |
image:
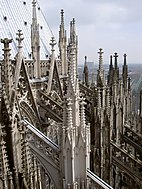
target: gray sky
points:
(114, 25)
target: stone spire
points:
(73, 43)
(125, 62)
(110, 74)
(125, 73)
(73, 84)
(100, 75)
(6, 66)
(116, 69)
(72, 32)
(34, 19)
(77, 132)
(35, 42)
(111, 61)
(115, 60)
(85, 72)
(73, 37)
(63, 45)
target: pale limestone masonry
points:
(59, 132)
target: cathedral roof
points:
(17, 14)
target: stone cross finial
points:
(19, 37)
(125, 55)
(115, 56)
(34, 3)
(100, 51)
(53, 43)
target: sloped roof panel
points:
(17, 14)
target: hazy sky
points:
(114, 25)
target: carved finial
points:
(62, 16)
(115, 56)
(100, 75)
(34, 17)
(73, 20)
(85, 60)
(73, 38)
(34, 3)
(19, 37)
(100, 59)
(53, 43)
(62, 12)
(111, 60)
(100, 51)
(6, 42)
(125, 59)
(85, 72)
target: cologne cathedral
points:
(56, 131)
